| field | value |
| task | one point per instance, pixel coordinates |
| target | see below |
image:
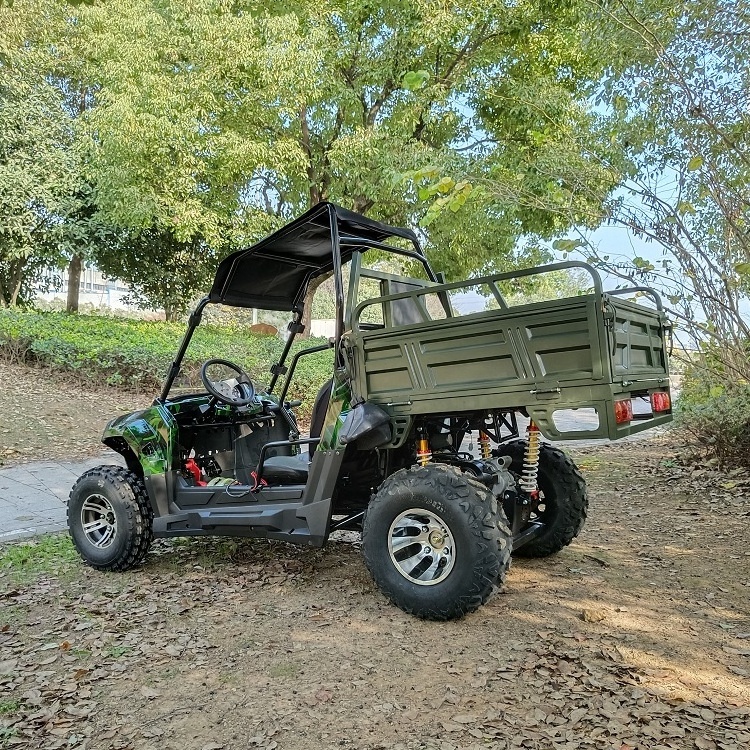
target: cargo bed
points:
(544, 359)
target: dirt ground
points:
(635, 636)
(50, 416)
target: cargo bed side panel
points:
(546, 358)
(638, 351)
(489, 359)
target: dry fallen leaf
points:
(465, 718)
(594, 615)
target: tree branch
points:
(312, 176)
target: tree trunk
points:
(74, 283)
(16, 279)
(362, 205)
(307, 309)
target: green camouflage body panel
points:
(338, 407)
(151, 434)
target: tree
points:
(209, 114)
(668, 130)
(37, 158)
(153, 157)
(400, 89)
(534, 164)
(679, 102)
(161, 268)
(49, 215)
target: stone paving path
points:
(33, 495)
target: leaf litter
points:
(633, 638)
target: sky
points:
(611, 240)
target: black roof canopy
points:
(273, 274)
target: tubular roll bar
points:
(337, 241)
(193, 321)
(293, 366)
(643, 290)
(490, 281)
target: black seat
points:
(286, 469)
(293, 469)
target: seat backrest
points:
(401, 312)
(319, 409)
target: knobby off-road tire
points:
(435, 542)
(563, 500)
(110, 518)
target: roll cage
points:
(275, 273)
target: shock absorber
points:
(531, 461)
(485, 450)
(424, 454)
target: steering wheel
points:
(237, 391)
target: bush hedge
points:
(715, 408)
(136, 354)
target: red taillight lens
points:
(660, 402)
(623, 411)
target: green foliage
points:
(721, 424)
(163, 272)
(37, 155)
(714, 406)
(543, 287)
(324, 301)
(534, 163)
(200, 127)
(677, 92)
(208, 124)
(137, 354)
(188, 130)
(9, 707)
(97, 349)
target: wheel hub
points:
(421, 547)
(98, 521)
(437, 539)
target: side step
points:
(290, 522)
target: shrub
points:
(137, 353)
(715, 408)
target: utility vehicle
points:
(414, 441)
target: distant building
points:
(95, 289)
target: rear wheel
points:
(435, 542)
(110, 518)
(563, 501)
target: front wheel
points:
(562, 504)
(435, 542)
(110, 518)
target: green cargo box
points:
(582, 352)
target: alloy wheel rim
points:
(421, 547)
(98, 521)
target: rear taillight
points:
(660, 402)
(623, 411)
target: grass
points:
(23, 562)
(284, 669)
(8, 707)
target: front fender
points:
(151, 434)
